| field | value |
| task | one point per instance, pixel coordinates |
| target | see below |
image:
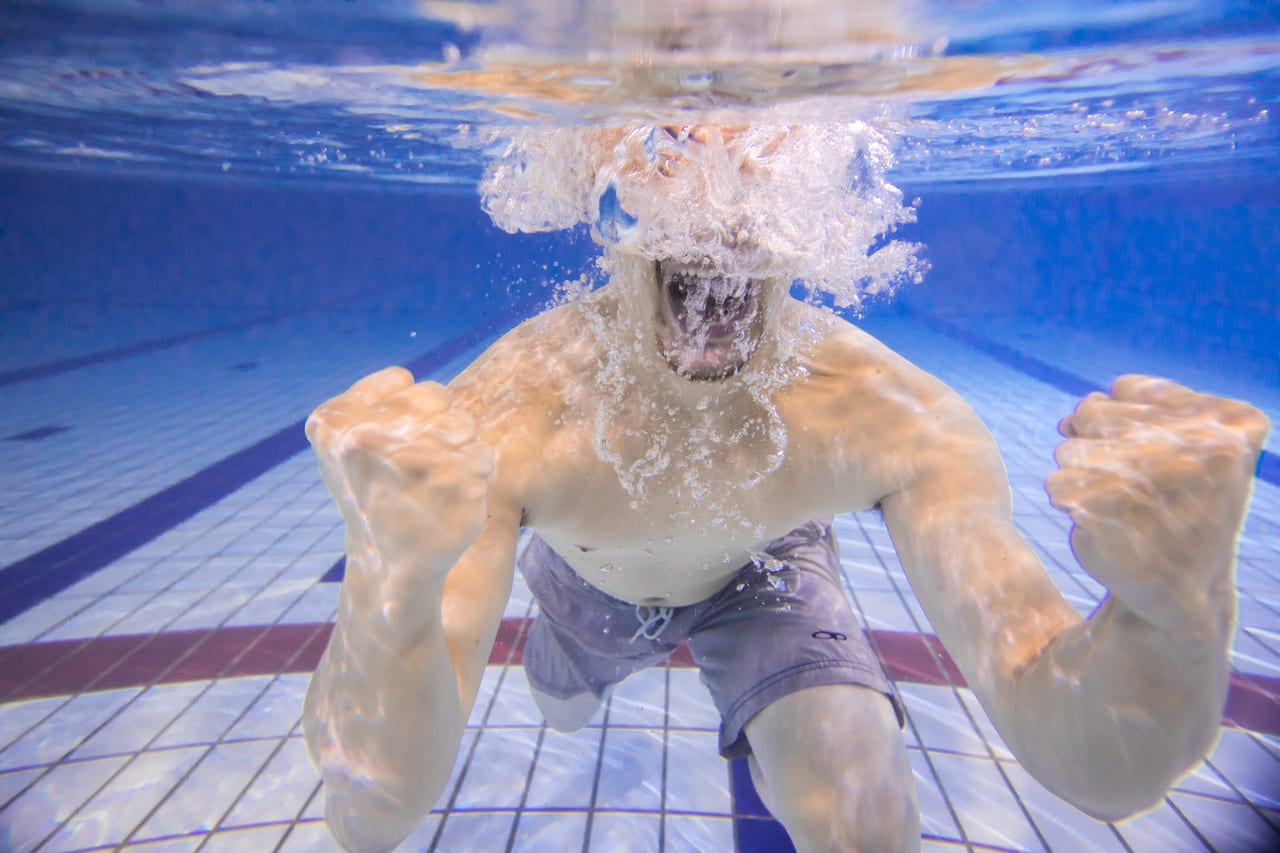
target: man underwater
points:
(678, 441)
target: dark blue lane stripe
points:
(1268, 463)
(1033, 367)
(336, 572)
(1269, 468)
(29, 581)
(65, 365)
(754, 828)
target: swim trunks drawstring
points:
(653, 621)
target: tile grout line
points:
(146, 747)
(217, 827)
(666, 728)
(89, 687)
(248, 562)
(1195, 830)
(528, 783)
(1271, 821)
(924, 750)
(280, 746)
(480, 729)
(64, 563)
(1062, 380)
(595, 778)
(207, 749)
(1268, 469)
(666, 741)
(250, 638)
(1003, 775)
(293, 824)
(62, 761)
(92, 359)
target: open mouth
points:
(709, 307)
(708, 327)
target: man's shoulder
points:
(839, 347)
(541, 349)
(857, 372)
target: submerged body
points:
(656, 484)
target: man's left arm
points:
(1107, 712)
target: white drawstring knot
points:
(653, 621)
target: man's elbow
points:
(1122, 805)
(362, 819)
(1127, 790)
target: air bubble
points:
(806, 202)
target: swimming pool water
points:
(170, 554)
(180, 290)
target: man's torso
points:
(656, 489)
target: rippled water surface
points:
(384, 92)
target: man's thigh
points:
(783, 626)
(831, 764)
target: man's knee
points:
(833, 768)
(567, 715)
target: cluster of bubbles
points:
(803, 202)
(705, 442)
(777, 202)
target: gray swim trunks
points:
(782, 624)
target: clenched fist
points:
(410, 477)
(1157, 479)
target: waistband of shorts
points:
(550, 559)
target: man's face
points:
(708, 324)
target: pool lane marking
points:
(63, 667)
(27, 582)
(66, 365)
(144, 660)
(124, 661)
(33, 579)
(1268, 469)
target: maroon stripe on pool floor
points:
(138, 660)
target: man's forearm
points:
(1105, 712)
(382, 721)
(1114, 710)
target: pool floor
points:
(170, 579)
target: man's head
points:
(723, 205)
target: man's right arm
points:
(385, 713)
(430, 559)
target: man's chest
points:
(677, 525)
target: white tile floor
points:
(219, 765)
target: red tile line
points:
(110, 663)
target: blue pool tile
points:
(625, 833)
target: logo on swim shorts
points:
(828, 635)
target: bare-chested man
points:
(671, 439)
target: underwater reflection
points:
(678, 439)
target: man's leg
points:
(831, 765)
(568, 715)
